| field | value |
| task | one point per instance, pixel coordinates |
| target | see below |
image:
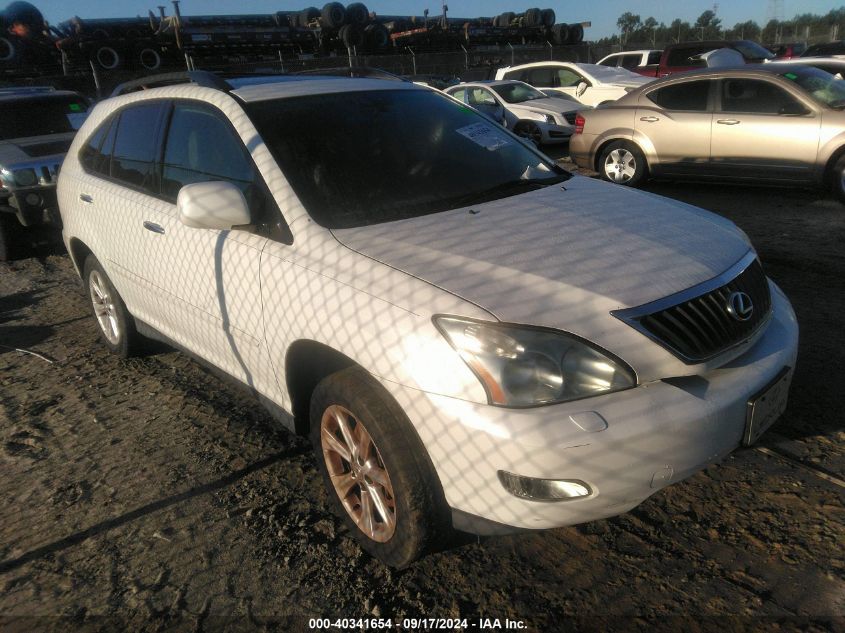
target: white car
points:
(591, 84)
(631, 59)
(473, 337)
(526, 111)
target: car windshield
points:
(822, 86)
(517, 93)
(37, 116)
(752, 50)
(361, 158)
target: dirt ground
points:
(149, 494)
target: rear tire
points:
(11, 238)
(116, 325)
(367, 447)
(623, 163)
(837, 179)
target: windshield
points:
(518, 92)
(360, 158)
(822, 86)
(37, 116)
(753, 51)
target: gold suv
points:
(772, 123)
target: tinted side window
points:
(201, 147)
(136, 146)
(542, 77)
(89, 155)
(753, 95)
(654, 57)
(567, 78)
(630, 61)
(690, 96)
(683, 56)
(610, 61)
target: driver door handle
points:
(727, 121)
(152, 226)
(649, 119)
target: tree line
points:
(804, 27)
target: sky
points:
(603, 14)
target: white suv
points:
(473, 337)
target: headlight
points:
(25, 177)
(523, 367)
(549, 119)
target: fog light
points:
(543, 489)
(25, 177)
(33, 199)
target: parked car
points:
(36, 129)
(688, 55)
(473, 337)
(789, 50)
(828, 49)
(777, 123)
(644, 62)
(526, 111)
(591, 84)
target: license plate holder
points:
(766, 406)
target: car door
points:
(210, 278)
(118, 191)
(672, 125)
(761, 130)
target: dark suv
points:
(36, 129)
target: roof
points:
(302, 86)
(29, 94)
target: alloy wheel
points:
(358, 473)
(104, 307)
(620, 165)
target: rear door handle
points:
(86, 198)
(155, 228)
(649, 119)
(727, 121)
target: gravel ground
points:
(149, 494)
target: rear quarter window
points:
(689, 96)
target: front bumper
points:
(653, 435)
(553, 133)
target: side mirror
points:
(212, 205)
(581, 88)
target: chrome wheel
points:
(357, 473)
(620, 165)
(104, 307)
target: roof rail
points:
(354, 72)
(202, 78)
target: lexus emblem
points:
(740, 306)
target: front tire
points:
(623, 163)
(529, 130)
(375, 468)
(116, 325)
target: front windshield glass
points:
(822, 86)
(360, 158)
(752, 50)
(518, 93)
(37, 116)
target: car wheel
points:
(623, 163)
(11, 237)
(837, 179)
(529, 130)
(376, 469)
(117, 327)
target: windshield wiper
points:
(507, 189)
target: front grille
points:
(701, 327)
(570, 117)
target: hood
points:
(629, 82)
(20, 150)
(547, 105)
(561, 258)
